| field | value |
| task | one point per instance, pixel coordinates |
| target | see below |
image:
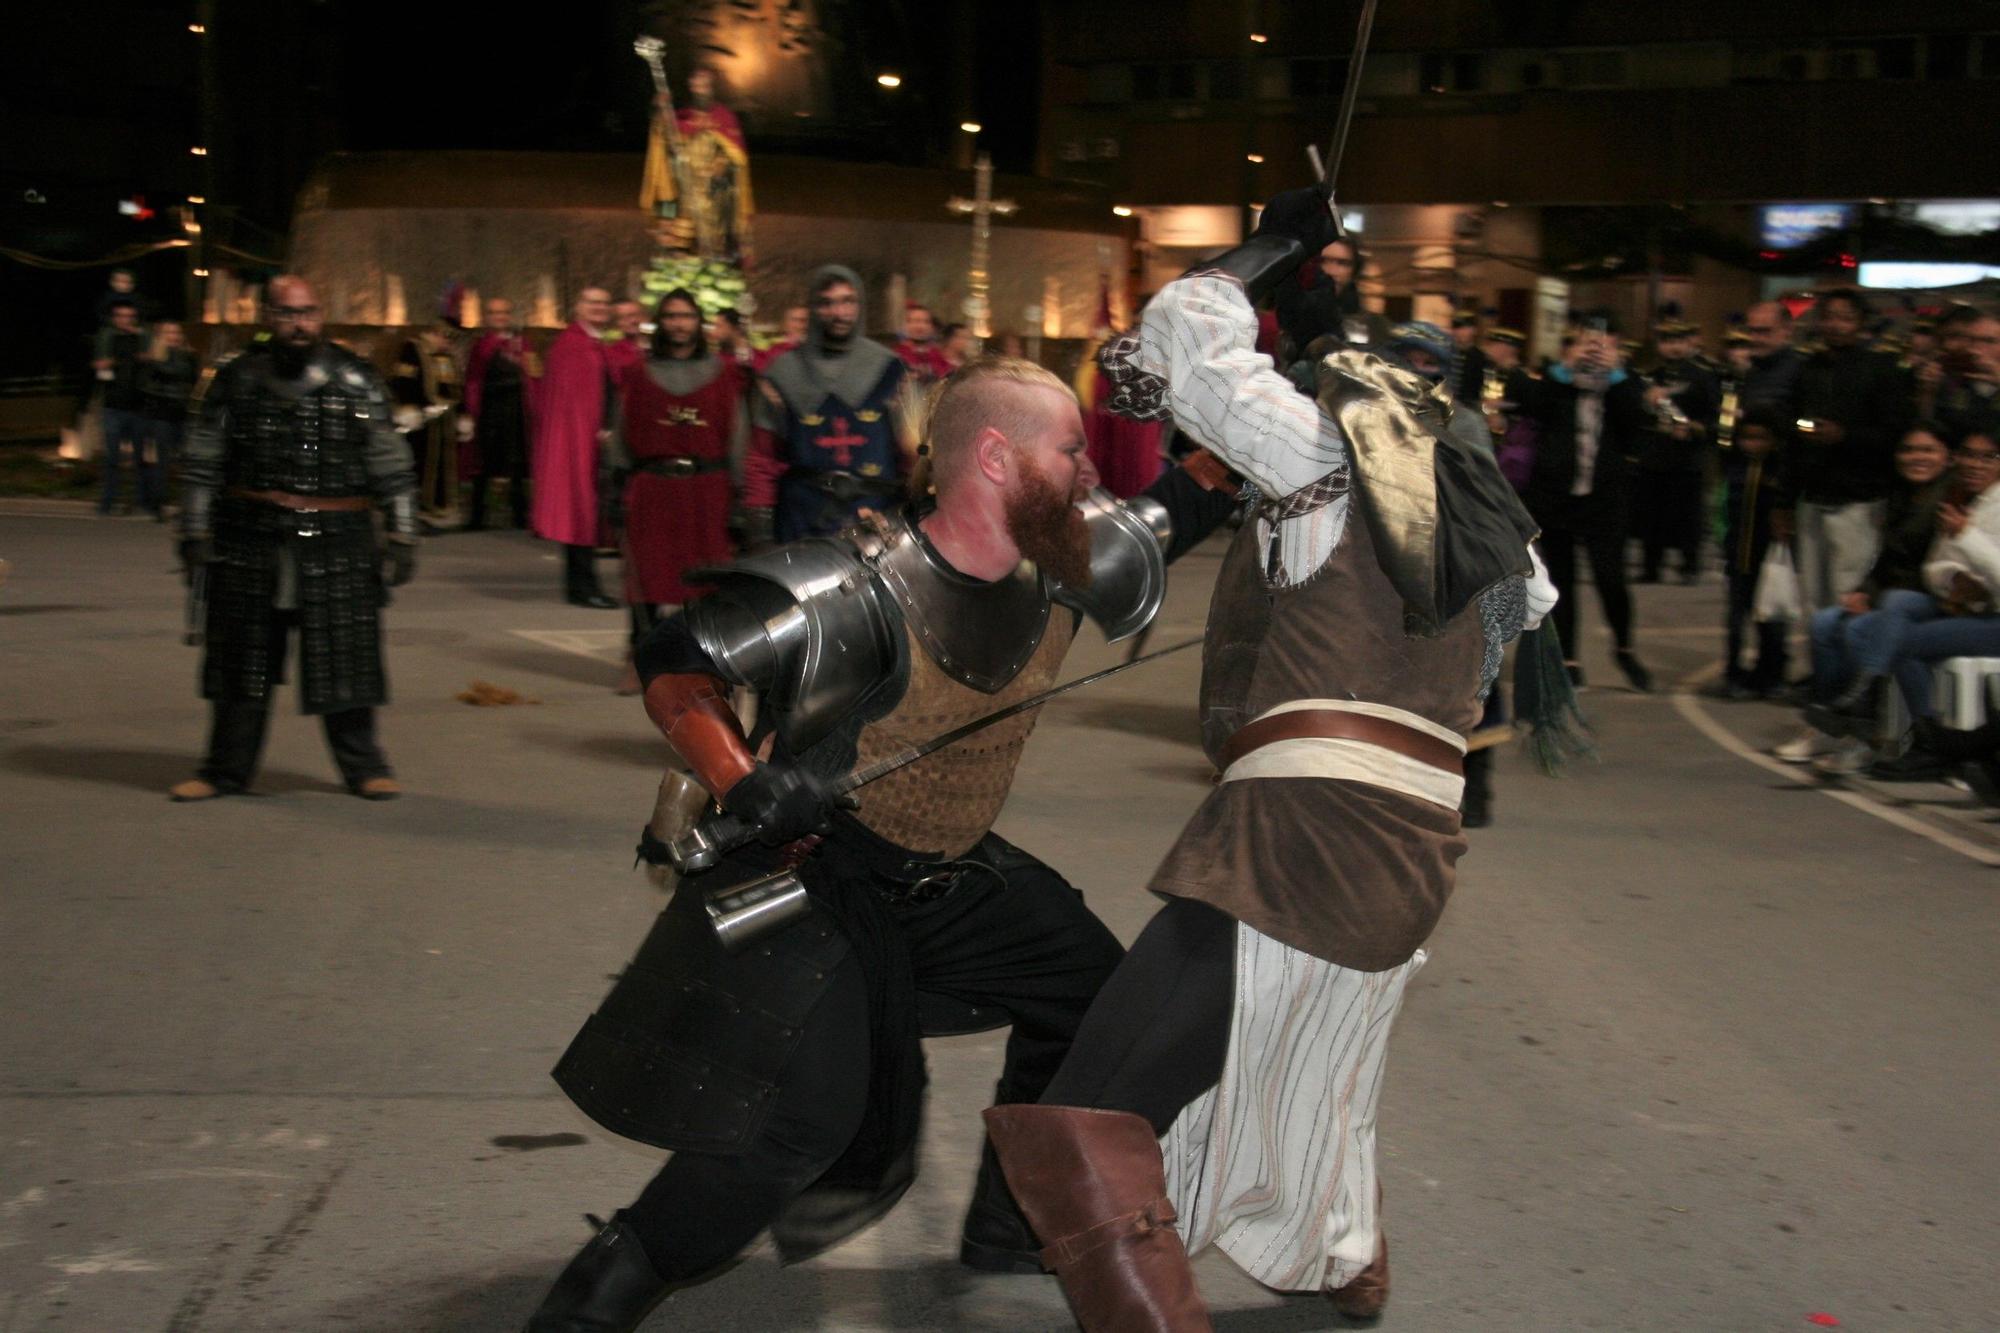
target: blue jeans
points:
(1846, 646)
(123, 428)
(1932, 642)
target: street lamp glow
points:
(889, 80)
(201, 273)
(1256, 157)
(1121, 211)
(198, 151)
(970, 126)
(197, 198)
(1259, 38)
(197, 28)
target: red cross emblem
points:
(843, 441)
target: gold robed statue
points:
(697, 179)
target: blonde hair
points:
(987, 392)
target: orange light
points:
(1121, 211)
(1259, 38)
(1256, 157)
(889, 80)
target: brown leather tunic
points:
(1346, 871)
(946, 802)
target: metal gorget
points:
(980, 634)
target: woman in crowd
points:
(166, 382)
(1963, 578)
(1855, 641)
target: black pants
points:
(236, 732)
(644, 616)
(1157, 1036)
(503, 452)
(1603, 540)
(1769, 670)
(1020, 948)
(580, 571)
(1673, 520)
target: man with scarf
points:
(680, 434)
(292, 450)
(787, 1077)
(828, 437)
(1591, 419)
(1223, 1088)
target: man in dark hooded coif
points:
(828, 440)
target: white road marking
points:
(1690, 708)
(604, 645)
(103, 1261)
(27, 1198)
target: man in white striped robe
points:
(1227, 1078)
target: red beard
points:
(1049, 529)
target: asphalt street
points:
(1698, 1046)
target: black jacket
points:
(1551, 403)
(1868, 396)
(1909, 525)
(1699, 398)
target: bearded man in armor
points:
(293, 448)
(787, 1077)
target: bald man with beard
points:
(787, 1077)
(292, 449)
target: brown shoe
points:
(194, 789)
(1363, 1298)
(378, 789)
(1093, 1187)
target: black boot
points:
(609, 1287)
(580, 579)
(997, 1239)
(1476, 809)
(1922, 762)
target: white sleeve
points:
(1200, 335)
(1542, 594)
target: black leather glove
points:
(1301, 215)
(399, 563)
(195, 552)
(783, 803)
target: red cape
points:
(715, 116)
(571, 403)
(490, 345)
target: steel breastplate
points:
(980, 634)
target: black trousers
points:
(1019, 948)
(503, 452)
(1159, 1032)
(1589, 522)
(1673, 521)
(236, 731)
(580, 571)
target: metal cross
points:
(982, 207)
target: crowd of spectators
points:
(1855, 462)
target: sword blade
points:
(881, 768)
(1337, 148)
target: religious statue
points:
(697, 180)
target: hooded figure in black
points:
(828, 438)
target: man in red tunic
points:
(576, 387)
(796, 319)
(681, 433)
(919, 348)
(499, 398)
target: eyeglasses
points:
(1975, 456)
(293, 311)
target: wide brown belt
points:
(304, 503)
(1339, 724)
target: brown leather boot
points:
(1363, 1298)
(1093, 1188)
